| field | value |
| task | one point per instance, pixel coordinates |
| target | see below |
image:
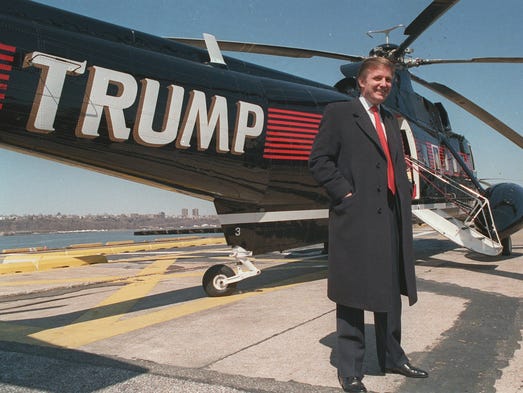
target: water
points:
(64, 239)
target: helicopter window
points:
(435, 155)
(452, 164)
(471, 163)
(423, 154)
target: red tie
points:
(385, 146)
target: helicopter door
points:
(409, 147)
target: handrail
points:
(481, 204)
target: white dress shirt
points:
(367, 105)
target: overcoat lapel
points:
(363, 121)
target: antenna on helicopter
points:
(385, 31)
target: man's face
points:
(376, 84)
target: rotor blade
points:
(427, 17)
(235, 46)
(473, 109)
(420, 62)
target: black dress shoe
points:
(408, 370)
(352, 384)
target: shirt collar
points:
(367, 105)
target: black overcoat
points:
(347, 157)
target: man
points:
(370, 231)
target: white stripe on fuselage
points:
(295, 215)
(288, 215)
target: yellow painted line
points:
(107, 313)
(86, 331)
(125, 298)
(83, 333)
(107, 318)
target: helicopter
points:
(178, 114)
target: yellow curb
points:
(37, 262)
(79, 256)
(85, 245)
(26, 249)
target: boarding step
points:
(455, 230)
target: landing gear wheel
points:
(213, 281)
(507, 246)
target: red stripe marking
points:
(290, 134)
(296, 118)
(285, 157)
(2, 96)
(7, 58)
(289, 112)
(7, 48)
(278, 134)
(3, 86)
(272, 122)
(290, 140)
(293, 140)
(4, 77)
(276, 129)
(6, 67)
(292, 123)
(288, 151)
(287, 146)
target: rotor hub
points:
(385, 50)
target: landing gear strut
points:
(506, 243)
(221, 280)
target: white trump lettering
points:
(49, 90)
(143, 126)
(97, 101)
(197, 116)
(109, 92)
(242, 130)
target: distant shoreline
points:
(55, 224)
(56, 232)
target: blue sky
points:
(472, 28)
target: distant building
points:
(195, 213)
(185, 213)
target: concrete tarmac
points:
(142, 323)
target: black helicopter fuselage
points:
(144, 108)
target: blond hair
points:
(374, 62)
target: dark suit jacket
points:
(347, 157)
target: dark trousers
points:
(350, 324)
